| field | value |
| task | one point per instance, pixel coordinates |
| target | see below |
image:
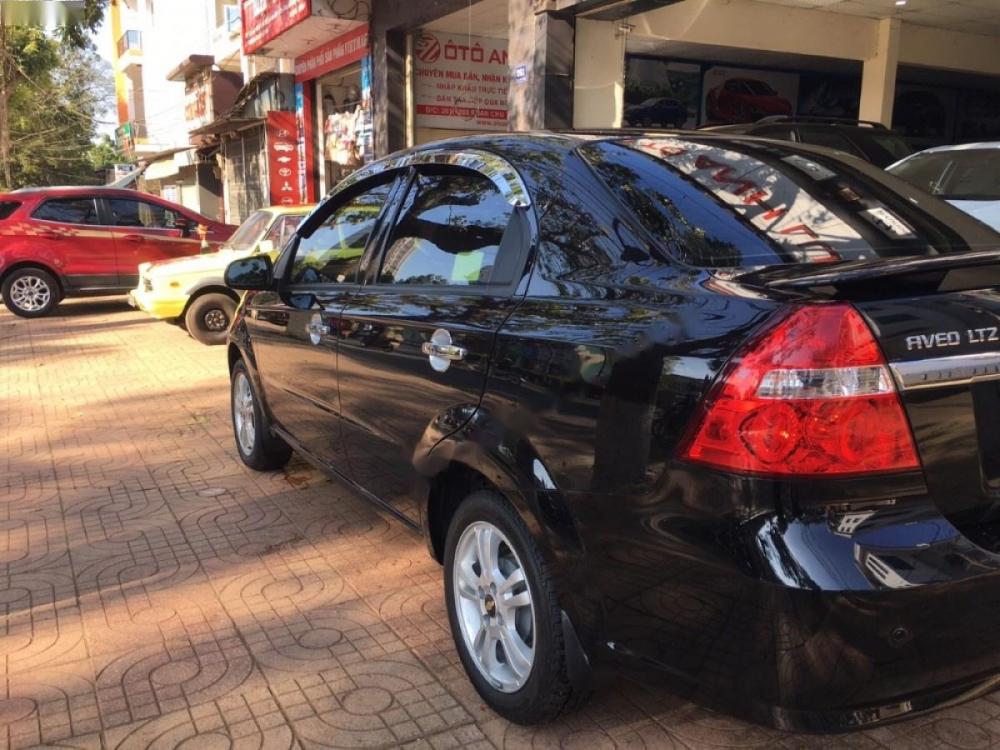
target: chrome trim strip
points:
(958, 370)
(499, 171)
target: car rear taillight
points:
(811, 395)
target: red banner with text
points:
(263, 20)
(283, 159)
(338, 52)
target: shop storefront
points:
(331, 131)
(334, 111)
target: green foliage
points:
(53, 86)
(105, 153)
(52, 120)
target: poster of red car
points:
(732, 95)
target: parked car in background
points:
(870, 141)
(706, 407)
(744, 100)
(966, 176)
(660, 110)
(87, 241)
(191, 289)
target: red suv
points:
(85, 241)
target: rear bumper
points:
(831, 624)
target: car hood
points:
(987, 212)
(205, 263)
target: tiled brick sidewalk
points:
(154, 593)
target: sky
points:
(102, 40)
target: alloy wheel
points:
(493, 601)
(30, 293)
(243, 413)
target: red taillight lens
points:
(811, 396)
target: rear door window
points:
(449, 233)
(282, 229)
(68, 211)
(830, 139)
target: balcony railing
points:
(130, 40)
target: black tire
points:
(547, 691)
(265, 451)
(208, 317)
(31, 292)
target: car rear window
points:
(733, 203)
(7, 208)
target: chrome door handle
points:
(443, 351)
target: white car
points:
(966, 176)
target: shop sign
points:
(198, 99)
(460, 82)
(263, 20)
(300, 138)
(338, 52)
(283, 159)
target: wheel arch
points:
(480, 455)
(17, 265)
(213, 288)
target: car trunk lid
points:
(937, 320)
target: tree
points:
(30, 58)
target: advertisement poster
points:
(661, 93)
(460, 82)
(829, 96)
(300, 138)
(263, 20)
(283, 160)
(731, 95)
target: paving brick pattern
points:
(155, 593)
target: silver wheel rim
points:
(30, 293)
(494, 607)
(216, 320)
(243, 417)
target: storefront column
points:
(540, 55)
(878, 78)
(599, 87)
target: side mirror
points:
(255, 273)
(265, 247)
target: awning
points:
(189, 65)
(144, 162)
(225, 125)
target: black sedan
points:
(715, 408)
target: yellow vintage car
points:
(191, 290)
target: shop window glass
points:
(449, 233)
(68, 211)
(332, 253)
(131, 213)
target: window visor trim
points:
(498, 170)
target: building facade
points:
(355, 79)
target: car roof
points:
(71, 190)
(981, 146)
(302, 209)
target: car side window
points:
(332, 253)
(282, 229)
(449, 233)
(68, 211)
(830, 139)
(126, 212)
